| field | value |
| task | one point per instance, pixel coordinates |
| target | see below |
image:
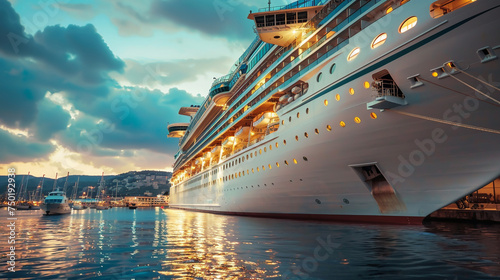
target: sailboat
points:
(101, 205)
(77, 205)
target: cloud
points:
(128, 120)
(173, 72)
(22, 149)
(214, 18)
(51, 118)
(80, 11)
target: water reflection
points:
(153, 244)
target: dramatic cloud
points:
(21, 149)
(129, 119)
(216, 18)
(172, 72)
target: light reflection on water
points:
(153, 244)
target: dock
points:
(488, 213)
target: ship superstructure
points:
(352, 110)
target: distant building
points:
(147, 201)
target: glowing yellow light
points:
(357, 120)
(373, 115)
(435, 74)
(367, 85)
(342, 124)
(351, 91)
(388, 10)
(325, 102)
(295, 161)
(337, 97)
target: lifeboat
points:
(215, 150)
(177, 130)
(264, 119)
(242, 132)
(296, 90)
(284, 98)
(229, 141)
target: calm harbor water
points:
(154, 244)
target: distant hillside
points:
(129, 183)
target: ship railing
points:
(386, 87)
(294, 5)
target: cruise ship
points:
(354, 110)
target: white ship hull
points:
(439, 147)
(56, 208)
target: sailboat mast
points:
(66, 183)
(55, 183)
(25, 191)
(20, 195)
(41, 187)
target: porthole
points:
(247, 157)
(342, 124)
(337, 97)
(298, 115)
(297, 137)
(248, 171)
(353, 54)
(320, 75)
(270, 147)
(295, 161)
(408, 24)
(290, 119)
(306, 135)
(270, 167)
(325, 102)
(373, 115)
(305, 158)
(307, 111)
(277, 164)
(263, 168)
(357, 120)
(252, 171)
(260, 152)
(332, 68)
(239, 174)
(366, 85)
(379, 40)
(284, 142)
(255, 153)
(282, 122)
(329, 128)
(388, 10)
(286, 162)
(257, 169)
(251, 155)
(351, 91)
(316, 131)
(265, 149)
(277, 144)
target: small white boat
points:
(56, 203)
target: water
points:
(154, 244)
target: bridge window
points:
(280, 19)
(259, 21)
(301, 17)
(270, 20)
(290, 18)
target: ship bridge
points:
(177, 130)
(281, 25)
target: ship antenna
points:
(269, 4)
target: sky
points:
(90, 86)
